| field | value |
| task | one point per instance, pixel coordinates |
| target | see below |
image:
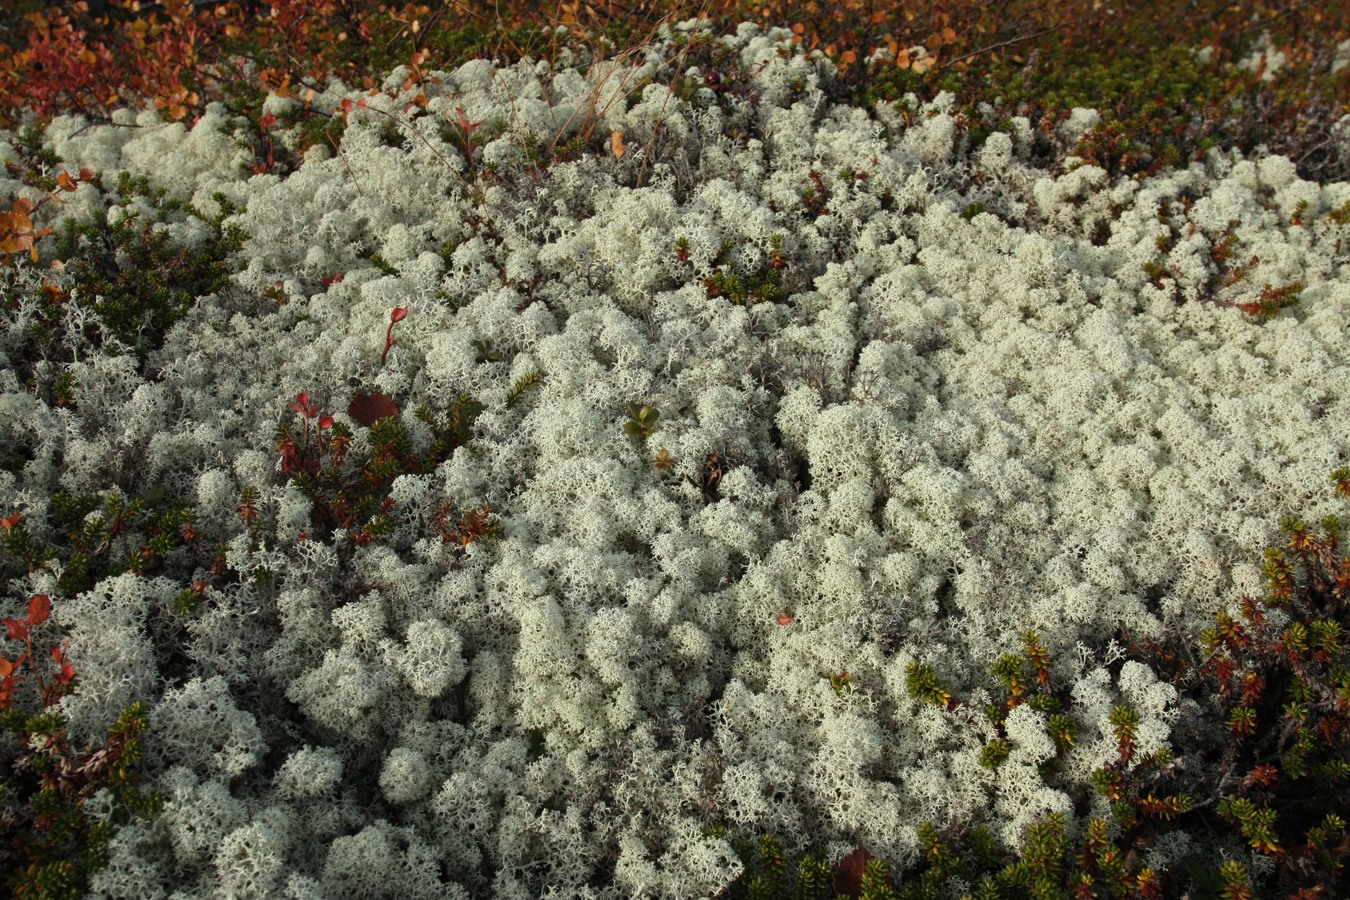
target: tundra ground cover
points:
(637, 461)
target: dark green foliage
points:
(523, 384)
(769, 876)
(352, 494)
(145, 284)
(129, 535)
(764, 285)
(48, 844)
(1272, 300)
(137, 280)
(973, 209)
(1161, 104)
(1282, 673)
(379, 262)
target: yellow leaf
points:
(616, 144)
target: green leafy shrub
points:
(100, 536)
(353, 494)
(145, 284)
(765, 283)
(49, 844)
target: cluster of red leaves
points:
(471, 526)
(62, 682)
(66, 67)
(179, 56)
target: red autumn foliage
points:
(367, 409)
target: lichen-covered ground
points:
(915, 397)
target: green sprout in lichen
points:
(643, 421)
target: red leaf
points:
(67, 670)
(326, 422)
(464, 123)
(267, 121)
(848, 874)
(39, 608)
(18, 628)
(301, 405)
(6, 667)
(10, 521)
(399, 314)
(367, 409)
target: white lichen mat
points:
(1035, 416)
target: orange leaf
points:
(66, 182)
(14, 243)
(616, 144)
